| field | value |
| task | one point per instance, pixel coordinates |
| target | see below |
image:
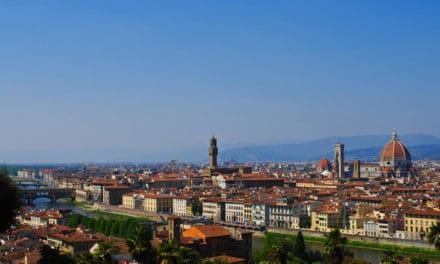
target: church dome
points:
(395, 150)
(323, 164)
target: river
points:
(370, 254)
(44, 203)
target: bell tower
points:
(213, 151)
(339, 160)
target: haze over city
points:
(94, 77)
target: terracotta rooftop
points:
(228, 259)
(395, 149)
(422, 212)
(212, 230)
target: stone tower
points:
(174, 228)
(356, 169)
(213, 151)
(339, 160)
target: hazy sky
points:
(161, 75)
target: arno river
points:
(371, 255)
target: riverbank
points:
(118, 216)
(408, 251)
(114, 212)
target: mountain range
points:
(367, 148)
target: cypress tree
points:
(10, 201)
(299, 249)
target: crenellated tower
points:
(213, 151)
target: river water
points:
(44, 203)
(372, 255)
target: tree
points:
(434, 235)
(86, 258)
(85, 221)
(418, 260)
(10, 201)
(188, 256)
(123, 230)
(140, 247)
(100, 225)
(196, 208)
(92, 224)
(74, 220)
(391, 257)
(105, 251)
(131, 227)
(168, 253)
(114, 230)
(53, 256)
(172, 253)
(108, 227)
(277, 248)
(305, 221)
(281, 251)
(336, 247)
(314, 256)
(299, 248)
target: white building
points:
(260, 214)
(214, 209)
(180, 205)
(371, 228)
(27, 174)
(234, 211)
(281, 216)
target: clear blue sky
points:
(165, 75)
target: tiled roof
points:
(212, 230)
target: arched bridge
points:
(53, 194)
(26, 183)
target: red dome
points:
(395, 150)
(324, 164)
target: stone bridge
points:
(26, 183)
(53, 194)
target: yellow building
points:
(248, 213)
(128, 200)
(158, 203)
(418, 223)
(325, 218)
(356, 225)
(189, 211)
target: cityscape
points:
(223, 211)
(196, 132)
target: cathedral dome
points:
(395, 150)
(323, 164)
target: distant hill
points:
(367, 147)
